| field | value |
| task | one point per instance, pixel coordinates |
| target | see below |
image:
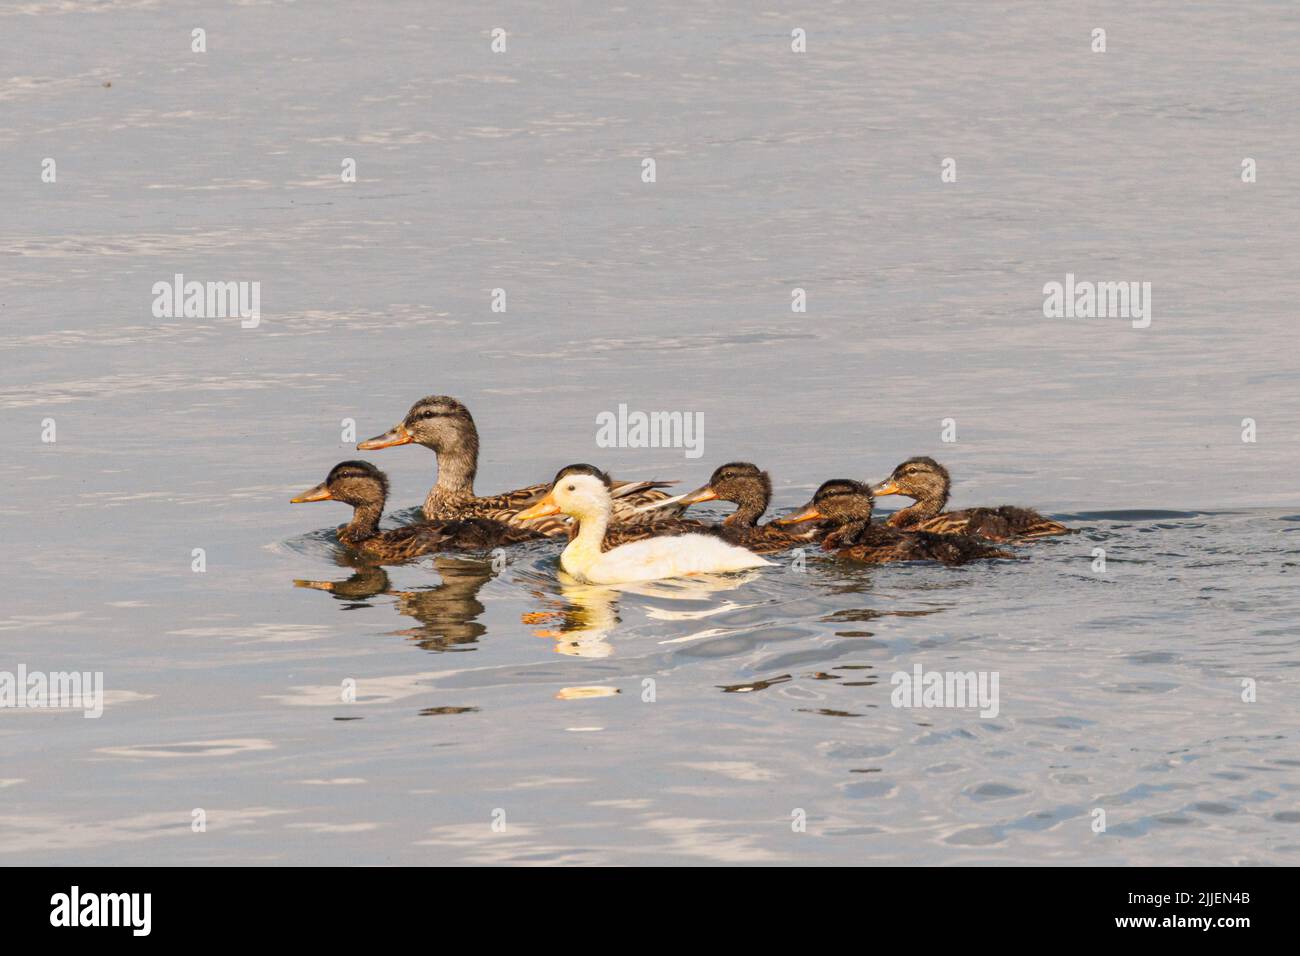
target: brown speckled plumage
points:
(365, 487)
(443, 424)
(845, 506)
(927, 482)
(750, 489)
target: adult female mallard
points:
(364, 487)
(444, 425)
(583, 493)
(750, 489)
(927, 483)
(846, 506)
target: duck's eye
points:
(572, 488)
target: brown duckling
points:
(927, 482)
(365, 487)
(750, 489)
(846, 506)
(441, 423)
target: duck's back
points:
(465, 534)
(765, 539)
(880, 544)
(996, 524)
(670, 557)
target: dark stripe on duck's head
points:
(841, 486)
(920, 465)
(741, 482)
(921, 477)
(356, 482)
(736, 469)
(843, 499)
(436, 406)
(582, 469)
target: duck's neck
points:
(847, 534)
(747, 513)
(930, 503)
(457, 466)
(364, 524)
(585, 548)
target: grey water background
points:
(481, 692)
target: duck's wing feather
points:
(881, 544)
(430, 537)
(996, 524)
(619, 534)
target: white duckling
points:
(583, 493)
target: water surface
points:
(481, 691)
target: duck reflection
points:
(581, 616)
(578, 619)
(448, 614)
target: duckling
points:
(846, 505)
(365, 487)
(619, 533)
(742, 483)
(443, 424)
(927, 482)
(583, 493)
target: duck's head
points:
(922, 478)
(439, 422)
(580, 491)
(357, 483)
(740, 482)
(838, 502)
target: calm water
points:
(485, 694)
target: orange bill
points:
(886, 487)
(699, 494)
(319, 493)
(546, 506)
(394, 436)
(808, 514)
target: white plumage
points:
(586, 498)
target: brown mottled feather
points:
(765, 538)
(364, 487)
(428, 537)
(445, 426)
(880, 544)
(928, 483)
(1006, 523)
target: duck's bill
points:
(807, 514)
(314, 585)
(689, 498)
(319, 493)
(886, 487)
(546, 506)
(394, 436)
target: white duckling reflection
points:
(583, 616)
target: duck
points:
(620, 532)
(927, 482)
(750, 488)
(846, 505)
(583, 492)
(364, 487)
(444, 424)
